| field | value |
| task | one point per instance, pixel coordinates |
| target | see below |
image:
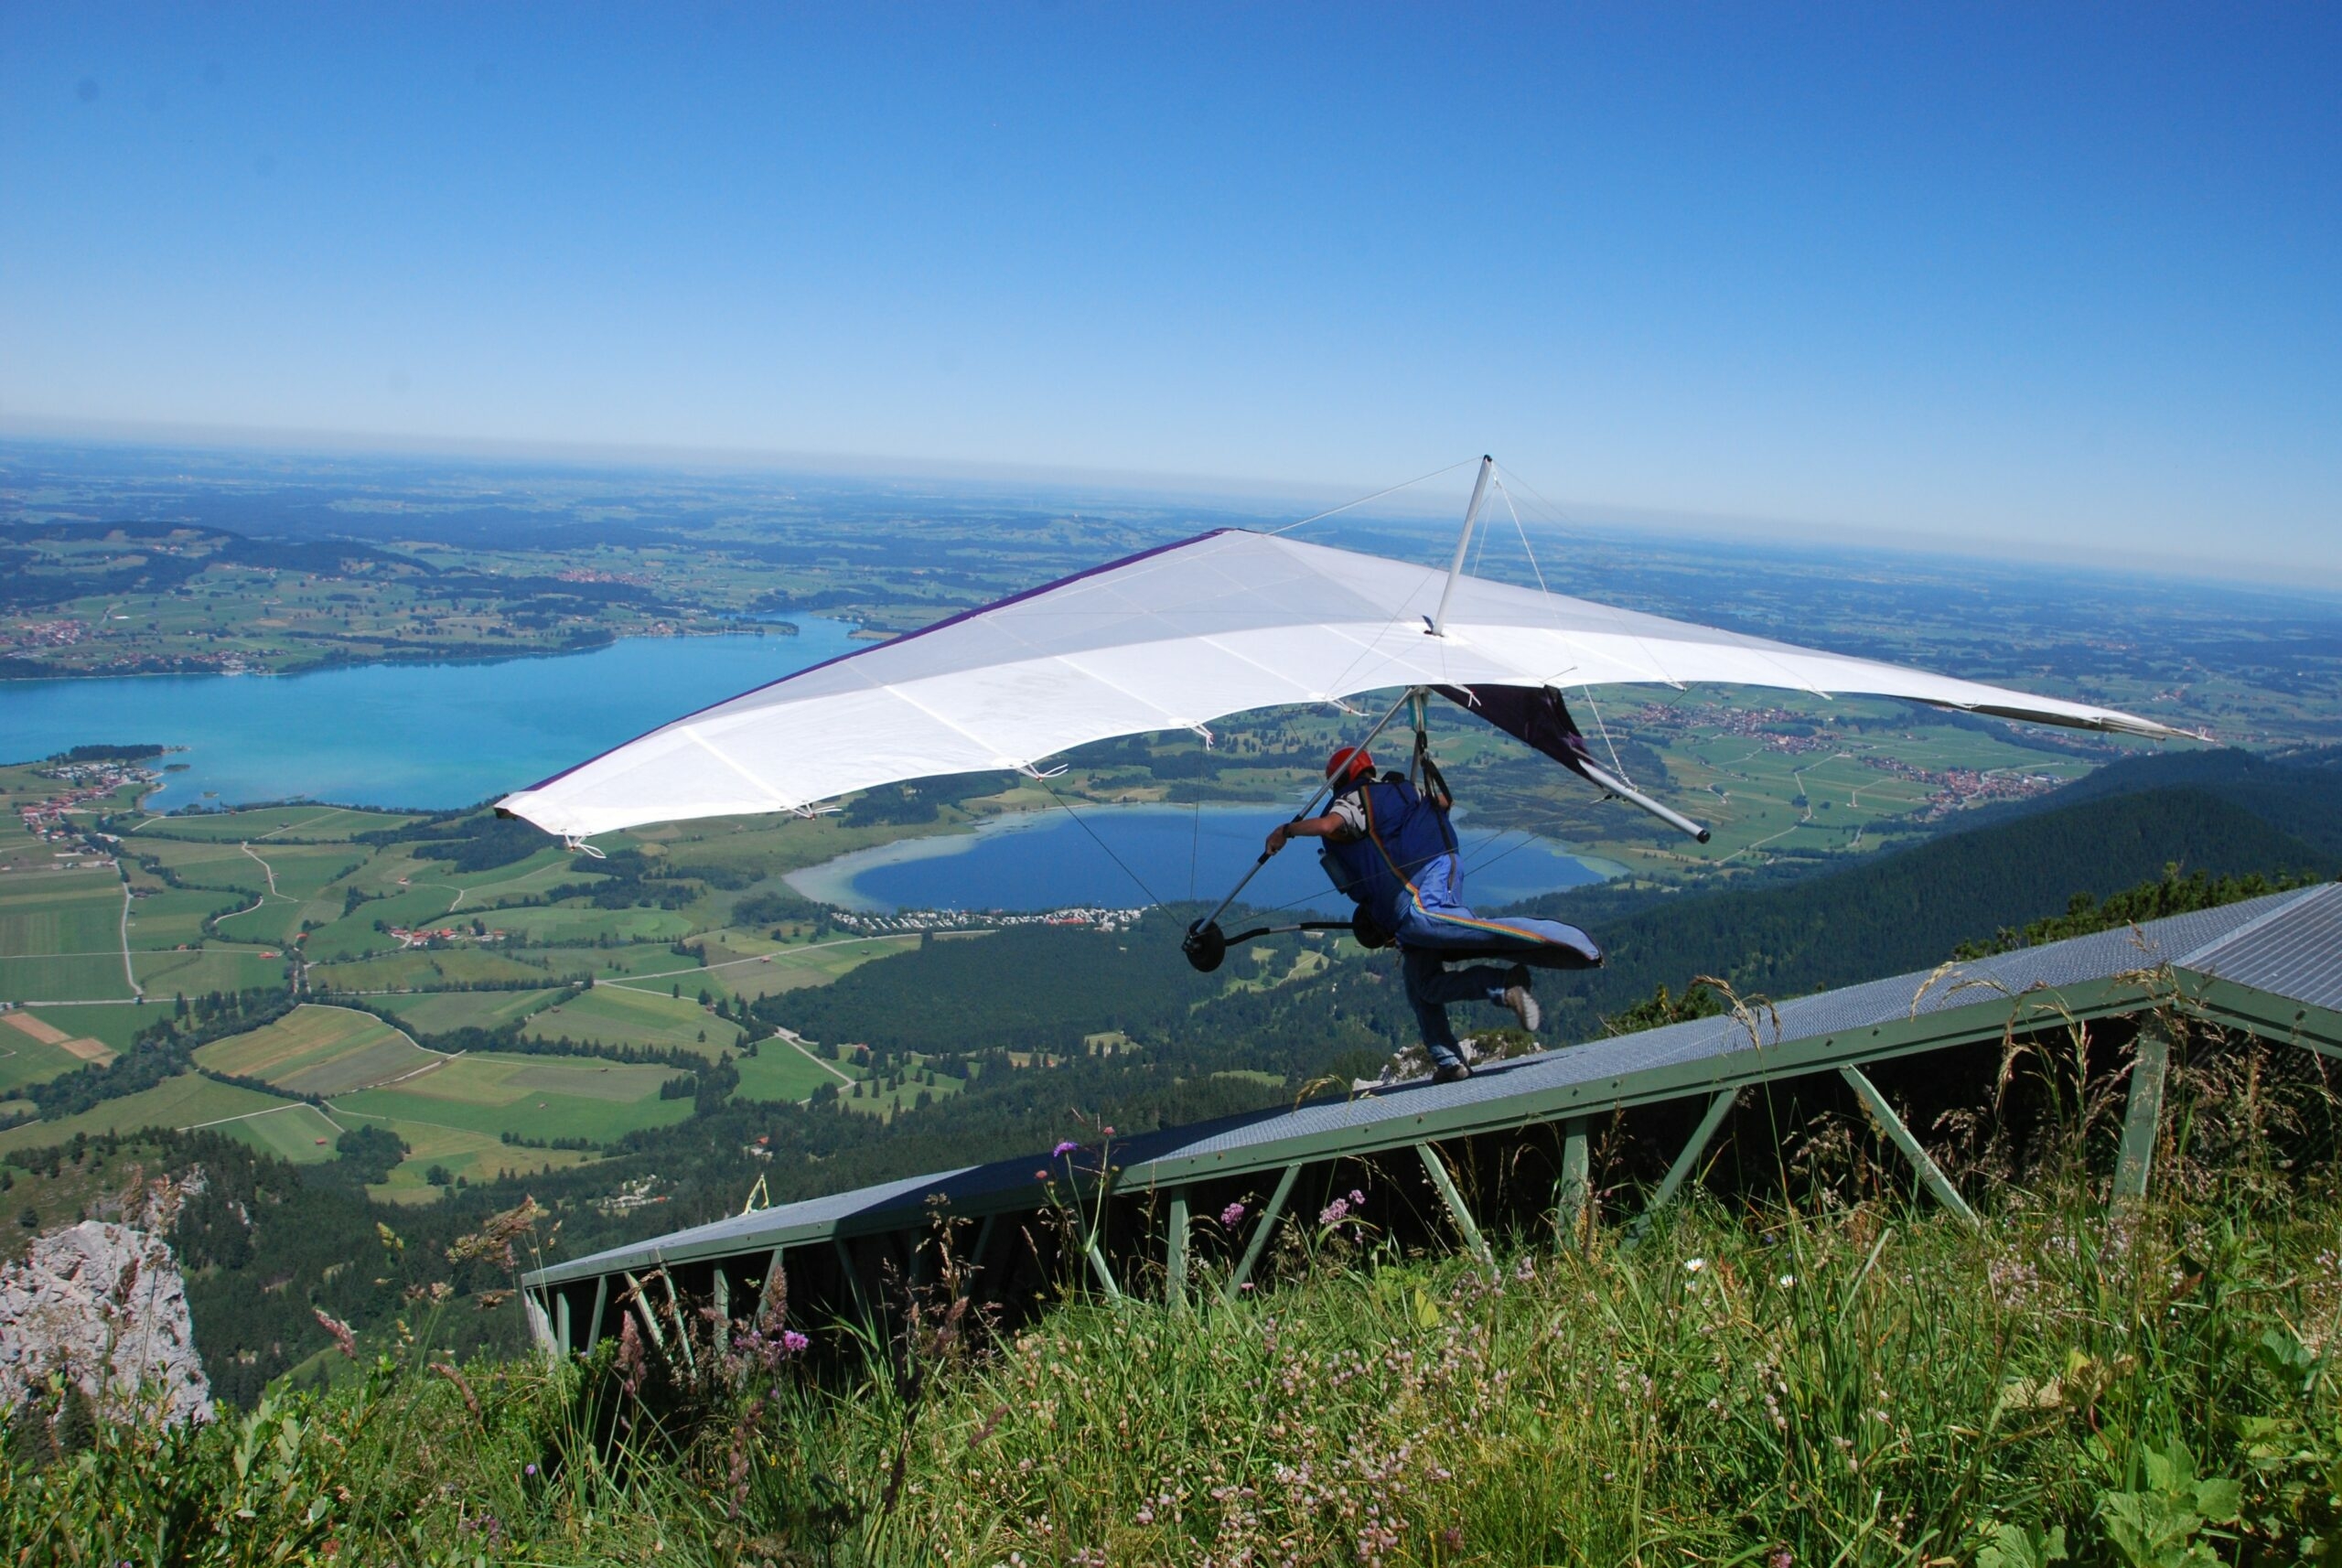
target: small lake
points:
(433, 735)
(1047, 860)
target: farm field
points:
(618, 1015)
(60, 937)
(779, 1071)
(424, 969)
(471, 1156)
(299, 1134)
(33, 1050)
(536, 1097)
(319, 1050)
(217, 967)
(563, 924)
(259, 823)
(190, 1099)
(749, 968)
(116, 1022)
(441, 1011)
(174, 917)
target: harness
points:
(1405, 834)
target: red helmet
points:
(1348, 764)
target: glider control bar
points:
(1204, 940)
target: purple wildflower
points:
(1335, 1212)
(794, 1343)
(530, 1469)
(1063, 1149)
(1232, 1215)
(1357, 1198)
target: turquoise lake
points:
(444, 736)
(1049, 860)
(435, 736)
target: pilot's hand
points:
(1278, 836)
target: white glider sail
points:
(1174, 638)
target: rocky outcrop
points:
(105, 1305)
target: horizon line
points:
(1261, 492)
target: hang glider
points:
(1174, 638)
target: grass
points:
(1863, 1386)
(621, 1015)
(113, 1022)
(751, 967)
(319, 1050)
(265, 823)
(459, 1152)
(437, 1013)
(538, 1096)
(563, 924)
(427, 969)
(781, 1071)
(214, 968)
(190, 1099)
(300, 1133)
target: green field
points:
(621, 1015)
(562, 924)
(751, 967)
(176, 916)
(113, 1022)
(609, 964)
(538, 1096)
(300, 1134)
(61, 936)
(213, 968)
(189, 1099)
(23, 1059)
(781, 1071)
(475, 1157)
(273, 822)
(319, 1050)
(442, 1012)
(424, 969)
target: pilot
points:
(1391, 847)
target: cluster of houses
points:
(86, 784)
(423, 936)
(906, 921)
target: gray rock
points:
(105, 1305)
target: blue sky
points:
(2064, 278)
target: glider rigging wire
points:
(1394, 490)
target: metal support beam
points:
(972, 1266)
(1436, 1169)
(1262, 1229)
(540, 1322)
(854, 1282)
(1573, 1194)
(1174, 1258)
(601, 1305)
(1088, 1234)
(1685, 1164)
(682, 1324)
(1929, 1173)
(650, 1320)
(2143, 1117)
(560, 1322)
(722, 1303)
